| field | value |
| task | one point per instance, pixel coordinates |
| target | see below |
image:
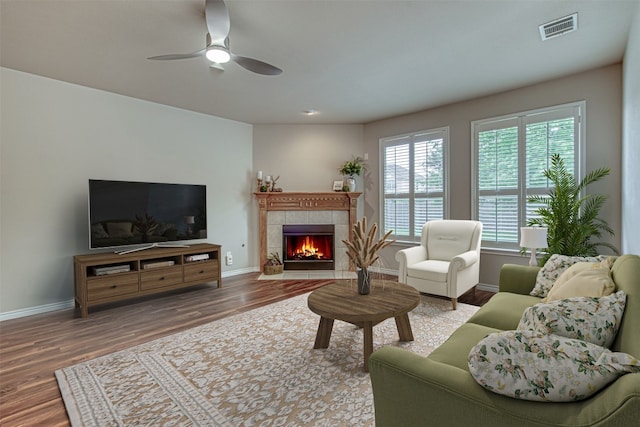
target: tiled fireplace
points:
(278, 209)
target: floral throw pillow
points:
(529, 365)
(553, 268)
(595, 320)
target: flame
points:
(307, 248)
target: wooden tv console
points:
(109, 277)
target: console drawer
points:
(106, 287)
(160, 278)
(203, 271)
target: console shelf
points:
(109, 277)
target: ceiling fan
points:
(217, 50)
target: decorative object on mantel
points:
(338, 185)
(363, 250)
(269, 183)
(274, 264)
(262, 188)
(273, 184)
(350, 169)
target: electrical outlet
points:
(229, 258)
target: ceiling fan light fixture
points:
(218, 54)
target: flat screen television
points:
(145, 214)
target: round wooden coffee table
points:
(341, 301)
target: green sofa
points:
(438, 390)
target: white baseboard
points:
(488, 288)
(240, 271)
(24, 312)
(63, 305)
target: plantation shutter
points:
(547, 133)
(498, 180)
(396, 164)
(510, 156)
(414, 182)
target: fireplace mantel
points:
(302, 201)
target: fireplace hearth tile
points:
(309, 275)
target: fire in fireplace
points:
(308, 247)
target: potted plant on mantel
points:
(350, 169)
(363, 250)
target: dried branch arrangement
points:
(363, 249)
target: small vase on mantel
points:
(364, 283)
(351, 183)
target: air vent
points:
(559, 27)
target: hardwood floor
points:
(33, 348)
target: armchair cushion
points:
(433, 270)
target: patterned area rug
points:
(258, 368)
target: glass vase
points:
(364, 283)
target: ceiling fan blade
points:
(218, 23)
(256, 66)
(179, 55)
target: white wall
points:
(55, 136)
(601, 88)
(631, 141)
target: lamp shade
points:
(533, 237)
(189, 219)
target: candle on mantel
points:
(259, 174)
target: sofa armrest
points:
(518, 279)
(411, 390)
(464, 260)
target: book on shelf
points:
(112, 269)
(197, 257)
(156, 264)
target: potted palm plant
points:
(363, 249)
(570, 217)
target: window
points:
(509, 157)
(415, 181)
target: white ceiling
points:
(354, 61)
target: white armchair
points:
(447, 262)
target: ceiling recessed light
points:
(310, 112)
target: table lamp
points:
(533, 238)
